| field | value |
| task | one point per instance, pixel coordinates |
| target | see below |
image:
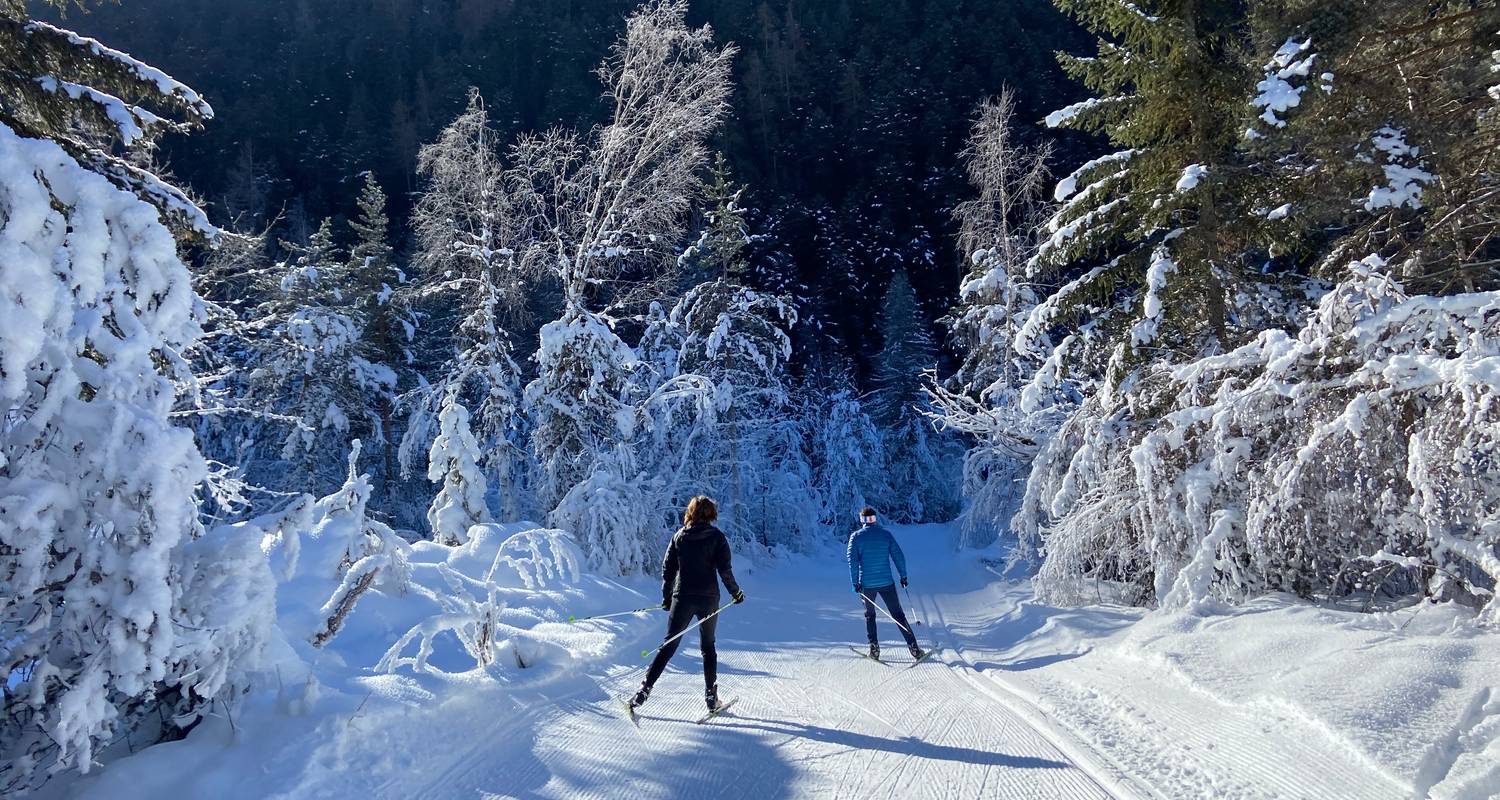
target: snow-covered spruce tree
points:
(1142, 249)
(602, 214)
(453, 462)
(308, 372)
(920, 461)
(1353, 453)
(847, 453)
(1140, 239)
(386, 326)
(460, 223)
(1000, 397)
(738, 340)
(99, 574)
(88, 98)
(721, 250)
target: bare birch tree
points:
(1000, 396)
(604, 214)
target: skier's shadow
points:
(908, 746)
(1024, 664)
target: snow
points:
(132, 121)
(1069, 114)
(1068, 186)
(1191, 175)
(1275, 93)
(1162, 265)
(1404, 181)
(164, 83)
(1277, 698)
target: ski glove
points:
(903, 581)
(739, 597)
(857, 587)
(666, 604)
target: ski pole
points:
(886, 613)
(616, 614)
(646, 653)
(911, 605)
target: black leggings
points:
(684, 609)
(893, 603)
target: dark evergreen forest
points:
(849, 115)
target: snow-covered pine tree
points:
(920, 461)
(1355, 117)
(98, 516)
(386, 327)
(453, 462)
(1147, 247)
(721, 250)
(738, 340)
(1313, 463)
(103, 107)
(576, 409)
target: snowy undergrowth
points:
(425, 633)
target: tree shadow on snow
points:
(906, 746)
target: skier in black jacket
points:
(697, 559)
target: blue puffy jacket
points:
(871, 550)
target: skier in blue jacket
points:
(871, 551)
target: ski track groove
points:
(1018, 709)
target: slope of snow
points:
(1277, 699)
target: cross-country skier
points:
(871, 551)
(697, 559)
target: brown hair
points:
(867, 512)
(700, 509)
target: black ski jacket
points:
(696, 559)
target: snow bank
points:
(437, 645)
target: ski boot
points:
(640, 697)
(711, 697)
(875, 650)
(916, 652)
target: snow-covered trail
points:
(1024, 700)
(812, 720)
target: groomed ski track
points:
(812, 720)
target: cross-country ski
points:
(723, 707)
(865, 654)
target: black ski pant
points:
(684, 610)
(892, 604)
